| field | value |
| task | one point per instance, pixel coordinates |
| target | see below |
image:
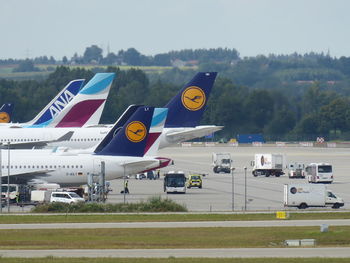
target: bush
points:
(153, 204)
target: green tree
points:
(26, 66)
(93, 54)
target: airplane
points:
(6, 112)
(87, 106)
(55, 105)
(66, 109)
(181, 124)
(123, 155)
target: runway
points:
(330, 252)
(269, 223)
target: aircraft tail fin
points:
(187, 107)
(57, 104)
(157, 125)
(86, 108)
(6, 112)
(117, 126)
(131, 140)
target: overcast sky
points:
(31, 28)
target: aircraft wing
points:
(192, 133)
(24, 178)
(134, 167)
(39, 144)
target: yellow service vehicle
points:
(194, 180)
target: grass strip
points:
(173, 260)
(146, 238)
(174, 217)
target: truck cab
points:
(222, 162)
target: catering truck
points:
(310, 195)
(222, 162)
(268, 164)
(319, 173)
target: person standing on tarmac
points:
(126, 189)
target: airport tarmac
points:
(263, 193)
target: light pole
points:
(233, 189)
(0, 177)
(8, 178)
(245, 188)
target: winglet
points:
(187, 107)
(132, 138)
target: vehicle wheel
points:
(216, 170)
(278, 175)
(267, 175)
(200, 186)
(303, 206)
(189, 187)
(336, 206)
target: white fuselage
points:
(88, 137)
(71, 169)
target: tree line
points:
(279, 115)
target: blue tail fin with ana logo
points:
(187, 107)
(62, 99)
(131, 139)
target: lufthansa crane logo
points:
(193, 98)
(4, 117)
(136, 131)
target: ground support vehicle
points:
(268, 164)
(296, 170)
(194, 180)
(175, 182)
(65, 197)
(319, 173)
(221, 162)
(310, 195)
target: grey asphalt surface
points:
(332, 252)
(263, 193)
(273, 223)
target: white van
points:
(65, 197)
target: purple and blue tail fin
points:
(187, 107)
(86, 108)
(6, 112)
(117, 126)
(45, 117)
(131, 140)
